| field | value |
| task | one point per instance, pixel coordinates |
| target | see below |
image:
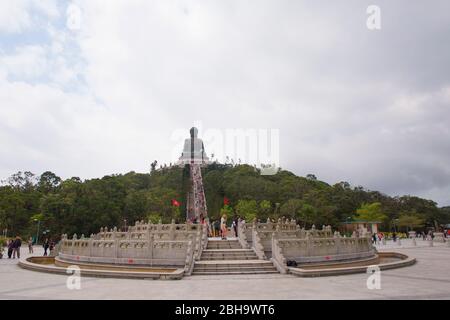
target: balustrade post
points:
(116, 248)
(91, 240)
(74, 238)
(172, 230)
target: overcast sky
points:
(105, 93)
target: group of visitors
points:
(378, 237)
(14, 247)
(48, 245)
(15, 244)
(219, 228)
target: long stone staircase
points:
(228, 257)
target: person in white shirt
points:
(223, 226)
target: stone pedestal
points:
(439, 237)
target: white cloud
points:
(14, 16)
(19, 15)
(369, 108)
(28, 62)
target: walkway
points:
(429, 278)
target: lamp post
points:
(125, 221)
(395, 226)
(46, 232)
(37, 233)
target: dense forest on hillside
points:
(76, 206)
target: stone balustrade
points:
(259, 235)
(245, 236)
(162, 231)
(144, 244)
(151, 252)
(257, 245)
(317, 250)
(439, 237)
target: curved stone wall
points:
(168, 245)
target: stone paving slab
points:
(232, 262)
(228, 250)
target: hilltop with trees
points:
(76, 206)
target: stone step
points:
(228, 258)
(224, 246)
(238, 267)
(233, 263)
(233, 268)
(228, 250)
(224, 243)
(231, 254)
(227, 253)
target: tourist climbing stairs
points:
(198, 192)
(228, 257)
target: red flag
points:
(175, 203)
(226, 201)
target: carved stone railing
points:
(189, 262)
(321, 249)
(142, 252)
(285, 230)
(270, 226)
(257, 246)
(204, 239)
(277, 258)
(244, 235)
(198, 243)
(163, 231)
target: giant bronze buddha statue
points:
(194, 150)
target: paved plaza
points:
(429, 278)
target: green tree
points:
(410, 220)
(307, 214)
(371, 212)
(48, 182)
(265, 208)
(154, 217)
(291, 208)
(247, 209)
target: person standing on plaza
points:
(51, 247)
(30, 245)
(223, 226)
(208, 226)
(10, 248)
(46, 245)
(16, 247)
(235, 226)
(217, 228)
